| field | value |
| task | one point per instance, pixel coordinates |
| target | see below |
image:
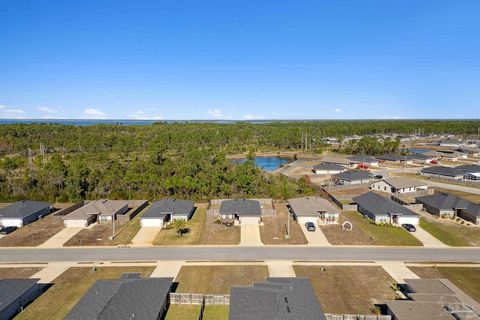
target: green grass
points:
(219, 312)
(126, 235)
(169, 236)
(382, 235)
(182, 312)
(451, 233)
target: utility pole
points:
(113, 226)
(287, 236)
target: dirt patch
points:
(353, 192)
(218, 279)
(98, 235)
(336, 236)
(274, 228)
(348, 289)
(32, 234)
(216, 233)
(18, 272)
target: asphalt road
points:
(12, 255)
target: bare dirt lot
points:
(32, 234)
(215, 233)
(99, 234)
(337, 236)
(274, 228)
(348, 289)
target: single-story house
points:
(448, 206)
(432, 299)
(395, 158)
(163, 211)
(471, 172)
(313, 209)
(244, 210)
(421, 158)
(471, 151)
(16, 294)
(98, 210)
(363, 160)
(23, 212)
(328, 168)
(443, 172)
(277, 298)
(399, 185)
(129, 297)
(383, 210)
(352, 177)
(454, 143)
(339, 161)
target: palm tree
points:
(180, 225)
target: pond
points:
(266, 163)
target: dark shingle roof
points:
(379, 205)
(23, 209)
(328, 166)
(276, 299)
(353, 175)
(446, 201)
(443, 171)
(163, 207)
(12, 289)
(468, 168)
(392, 157)
(126, 298)
(360, 158)
(241, 207)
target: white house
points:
(166, 210)
(99, 210)
(313, 209)
(399, 185)
(328, 168)
(23, 212)
(246, 211)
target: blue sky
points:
(239, 59)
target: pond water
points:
(266, 163)
(417, 150)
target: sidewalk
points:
(52, 271)
(167, 269)
(59, 239)
(427, 239)
(280, 268)
(397, 270)
(250, 235)
(145, 236)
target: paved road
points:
(238, 253)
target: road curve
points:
(236, 253)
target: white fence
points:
(199, 299)
(330, 316)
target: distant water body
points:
(265, 163)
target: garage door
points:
(152, 222)
(76, 223)
(249, 220)
(304, 220)
(411, 220)
(12, 222)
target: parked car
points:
(409, 227)
(7, 230)
(434, 162)
(310, 226)
(378, 177)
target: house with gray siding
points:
(243, 210)
(16, 294)
(447, 205)
(161, 212)
(128, 298)
(23, 212)
(352, 177)
(275, 299)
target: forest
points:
(56, 162)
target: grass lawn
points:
(274, 228)
(451, 233)
(69, 288)
(466, 195)
(348, 289)
(32, 234)
(182, 312)
(216, 312)
(218, 279)
(465, 278)
(18, 272)
(381, 235)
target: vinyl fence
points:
(135, 207)
(330, 316)
(58, 216)
(199, 299)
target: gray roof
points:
(276, 299)
(443, 171)
(447, 201)
(311, 206)
(379, 205)
(415, 310)
(468, 168)
(123, 299)
(328, 166)
(12, 289)
(353, 175)
(102, 207)
(23, 209)
(161, 208)
(401, 182)
(241, 207)
(392, 157)
(362, 158)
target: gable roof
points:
(276, 299)
(353, 175)
(12, 289)
(336, 160)
(361, 158)
(447, 201)
(328, 166)
(126, 298)
(392, 157)
(401, 182)
(469, 168)
(241, 207)
(311, 206)
(378, 205)
(23, 209)
(443, 171)
(169, 206)
(97, 207)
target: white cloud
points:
(218, 114)
(140, 115)
(47, 110)
(338, 110)
(11, 113)
(253, 117)
(94, 113)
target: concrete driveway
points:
(250, 235)
(145, 236)
(427, 239)
(57, 240)
(314, 238)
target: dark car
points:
(7, 230)
(378, 177)
(310, 226)
(409, 227)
